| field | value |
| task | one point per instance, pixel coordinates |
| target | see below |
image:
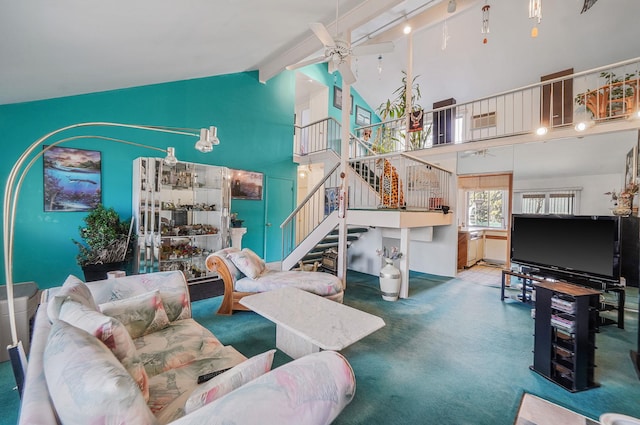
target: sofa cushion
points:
(141, 314)
(170, 389)
(248, 262)
(112, 333)
(73, 289)
(87, 384)
(323, 284)
(177, 345)
(172, 286)
(230, 380)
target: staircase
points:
(331, 241)
(311, 228)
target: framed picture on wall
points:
(246, 185)
(337, 97)
(630, 168)
(363, 116)
(351, 110)
(72, 179)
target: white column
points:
(236, 236)
(344, 164)
(405, 234)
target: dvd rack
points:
(566, 323)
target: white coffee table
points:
(307, 323)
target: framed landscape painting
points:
(246, 185)
(72, 179)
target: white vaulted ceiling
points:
(66, 47)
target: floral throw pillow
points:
(113, 334)
(228, 381)
(248, 263)
(72, 289)
(87, 384)
(141, 314)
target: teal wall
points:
(254, 125)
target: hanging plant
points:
(386, 139)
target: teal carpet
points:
(452, 353)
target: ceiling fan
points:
(337, 50)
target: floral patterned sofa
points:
(126, 351)
(244, 273)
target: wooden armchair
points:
(231, 299)
(322, 284)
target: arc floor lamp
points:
(207, 139)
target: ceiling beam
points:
(425, 19)
(354, 18)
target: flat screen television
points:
(583, 248)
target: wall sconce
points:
(12, 191)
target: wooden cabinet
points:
(470, 248)
(566, 322)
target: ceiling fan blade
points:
(370, 49)
(322, 33)
(347, 75)
(307, 62)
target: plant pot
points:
(390, 279)
(93, 272)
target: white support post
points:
(405, 239)
(344, 165)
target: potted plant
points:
(615, 97)
(387, 138)
(107, 243)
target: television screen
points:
(581, 245)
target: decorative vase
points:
(390, 279)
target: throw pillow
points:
(140, 314)
(113, 334)
(74, 289)
(228, 381)
(248, 263)
(87, 384)
(176, 305)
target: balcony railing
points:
(590, 97)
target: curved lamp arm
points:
(20, 170)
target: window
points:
(550, 202)
(486, 208)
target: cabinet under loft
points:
(181, 215)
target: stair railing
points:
(398, 181)
(314, 208)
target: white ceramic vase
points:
(390, 279)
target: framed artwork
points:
(337, 97)
(246, 185)
(72, 179)
(331, 198)
(363, 117)
(630, 168)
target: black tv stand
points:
(528, 278)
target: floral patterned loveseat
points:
(126, 351)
